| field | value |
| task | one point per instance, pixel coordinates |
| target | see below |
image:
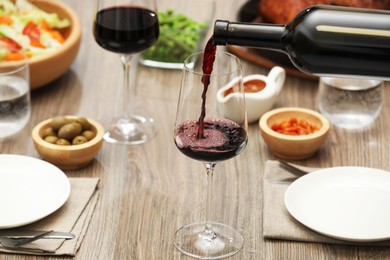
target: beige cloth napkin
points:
(277, 221)
(74, 216)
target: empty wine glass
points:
(203, 132)
(127, 27)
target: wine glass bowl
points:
(127, 27)
(202, 132)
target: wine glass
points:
(127, 27)
(203, 132)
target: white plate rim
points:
(334, 172)
(29, 165)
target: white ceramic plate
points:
(348, 203)
(30, 189)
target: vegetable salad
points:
(179, 36)
(27, 30)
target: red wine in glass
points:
(222, 139)
(126, 29)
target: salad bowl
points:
(50, 64)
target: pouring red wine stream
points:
(208, 61)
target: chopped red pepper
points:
(14, 56)
(5, 19)
(45, 26)
(293, 126)
(54, 33)
(57, 35)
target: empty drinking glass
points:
(350, 103)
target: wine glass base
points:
(193, 241)
(133, 130)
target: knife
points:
(15, 234)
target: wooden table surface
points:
(147, 192)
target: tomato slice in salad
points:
(9, 44)
(32, 31)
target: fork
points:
(292, 169)
(13, 242)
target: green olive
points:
(84, 123)
(49, 131)
(69, 131)
(89, 134)
(51, 139)
(62, 141)
(59, 121)
(79, 140)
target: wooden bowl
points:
(71, 156)
(49, 66)
(290, 146)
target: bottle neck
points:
(268, 36)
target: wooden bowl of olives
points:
(69, 142)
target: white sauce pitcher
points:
(257, 103)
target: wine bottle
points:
(321, 40)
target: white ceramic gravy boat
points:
(257, 103)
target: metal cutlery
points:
(10, 242)
(292, 169)
(19, 234)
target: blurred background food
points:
(179, 37)
(283, 11)
(183, 30)
(46, 64)
(26, 30)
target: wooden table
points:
(147, 192)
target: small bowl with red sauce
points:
(261, 92)
(294, 133)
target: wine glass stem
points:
(127, 88)
(210, 172)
